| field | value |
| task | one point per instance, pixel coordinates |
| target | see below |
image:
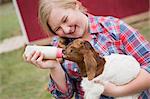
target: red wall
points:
(28, 11)
(118, 8)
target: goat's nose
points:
(64, 54)
(63, 51)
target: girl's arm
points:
(139, 84)
(58, 75)
(133, 44)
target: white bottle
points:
(50, 52)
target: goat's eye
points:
(71, 50)
(81, 42)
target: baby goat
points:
(115, 68)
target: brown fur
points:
(88, 60)
(63, 42)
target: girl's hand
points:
(110, 89)
(36, 58)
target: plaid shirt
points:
(109, 35)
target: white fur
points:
(119, 69)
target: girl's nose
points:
(65, 28)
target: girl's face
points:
(70, 23)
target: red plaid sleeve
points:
(135, 45)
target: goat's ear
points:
(90, 65)
(87, 45)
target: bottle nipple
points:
(59, 53)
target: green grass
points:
(9, 25)
(143, 27)
(20, 80)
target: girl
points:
(69, 19)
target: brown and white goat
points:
(116, 68)
(86, 57)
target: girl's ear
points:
(78, 4)
(90, 65)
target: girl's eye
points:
(65, 19)
(57, 29)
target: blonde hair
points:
(46, 6)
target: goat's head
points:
(82, 52)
